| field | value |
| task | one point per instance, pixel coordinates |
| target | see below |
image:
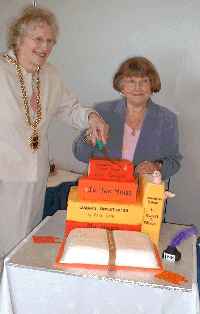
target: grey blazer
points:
(159, 139)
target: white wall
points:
(97, 35)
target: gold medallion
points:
(34, 141)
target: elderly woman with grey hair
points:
(140, 130)
(32, 94)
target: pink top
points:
(129, 142)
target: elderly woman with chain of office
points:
(32, 94)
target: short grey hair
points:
(30, 17)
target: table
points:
(61, 176)
(31, 285)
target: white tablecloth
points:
(31, 285)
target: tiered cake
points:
(111, 220)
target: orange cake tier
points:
(104, 190)
(112, 170)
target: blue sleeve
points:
(172, 157)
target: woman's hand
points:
(98, 129)
(147, 167)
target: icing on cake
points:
(86, 245)
(94, 246)
(112, 170)
(103, 212)
(144, 214)
(107, 190)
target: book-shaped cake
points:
(112, 221)
(103, 212)
(145, 214)
(105, 249)
(108, 180)
(112, 170)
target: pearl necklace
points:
(34, 139)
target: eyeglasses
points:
(49, 43)
(135, 82)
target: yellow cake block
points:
(146, 212)
(103, 212)
(152, 198)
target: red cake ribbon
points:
(171, 277)
(112, 248)
(46, 239)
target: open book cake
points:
(112, 221)
(109, 249)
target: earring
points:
(121, 94)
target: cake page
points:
(100, 247)
(86, 246)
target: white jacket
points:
(17, 161)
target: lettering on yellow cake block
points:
(103, 212)
(152, 198)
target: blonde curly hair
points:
(30, 17)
